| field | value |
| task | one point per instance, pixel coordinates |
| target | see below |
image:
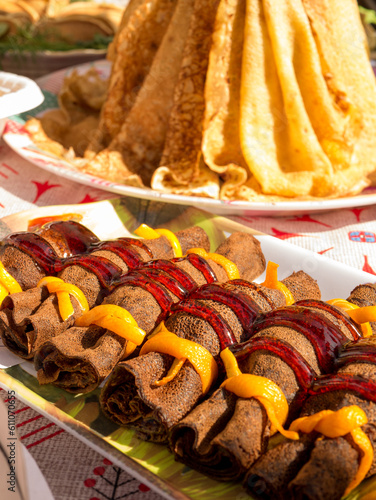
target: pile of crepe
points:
(239, 100)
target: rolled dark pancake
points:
(280, 465)
(24, 329)
(332, 464)
(284, 348)
(147, 301)
(130, 396)
(30, 256)
(363, 296)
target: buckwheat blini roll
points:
(212, 317)
(29, 318)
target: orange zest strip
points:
(174, 242)
(129, 348)
(271, 281)
(63, 291)
(167, 342)
(145, 231)
(172, 372)
(229, 266)
(8, 284)
(339, 423)
(151, 234)
(245, 385)
(3, 293)
(116, 319)
(361, 315)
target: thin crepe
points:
(307, 108)
(208, 439)
(137, 147)
(55, 360)
(55, 241)
(181, 158)
(27, 320)
(130, 396)
(221, 135)
(143, 27)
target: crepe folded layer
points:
(53, 361)
(305, 114)
(291, 351)
(316, 466)
(135, 152)
(130, 396)
(181, 169)
(142, 29)
(29, 256)
(27, 320)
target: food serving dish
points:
(16, 137)
(17, 95)
(153, 463)
(37, 64)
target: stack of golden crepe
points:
(62, 19)
(239, 100)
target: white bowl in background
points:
(17, 95)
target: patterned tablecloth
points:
(73, 470)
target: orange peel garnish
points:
(229, 266)
(117, 320)
(201, 359)
(271, 281)
(144, 231)
(361, 315)
(338, 423)
(8, 284)
(63, 291)
(246, 385)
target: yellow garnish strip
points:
(361, 315)
(201, 359)
(245, 385)
(116, 319)
(8, 284)
(129, 349)
(145, 231)
(172, 372)
(229, 266)
(339, 423)
(271, 281)
(3, 293)
(63, 291)
(151, 234)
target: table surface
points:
(73, 470)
